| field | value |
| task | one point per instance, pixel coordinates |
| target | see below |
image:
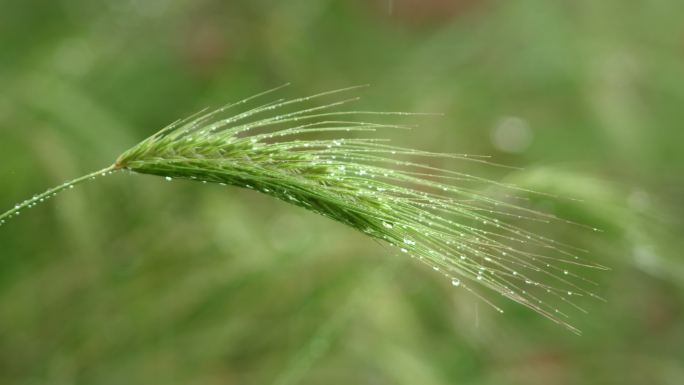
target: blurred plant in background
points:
(146, 281)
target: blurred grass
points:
(134, 280)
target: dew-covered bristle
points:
(319, 158)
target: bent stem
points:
(52, 192)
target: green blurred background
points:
(133, 280)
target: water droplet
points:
(387, 225)
(168, 178)
(455, 282)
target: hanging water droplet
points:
(168, 179)
(409, 242)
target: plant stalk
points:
(53, 191)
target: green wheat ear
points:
(417, 208)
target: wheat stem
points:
(16, 210)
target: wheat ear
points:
(423, 211)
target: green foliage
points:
(136, 280)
